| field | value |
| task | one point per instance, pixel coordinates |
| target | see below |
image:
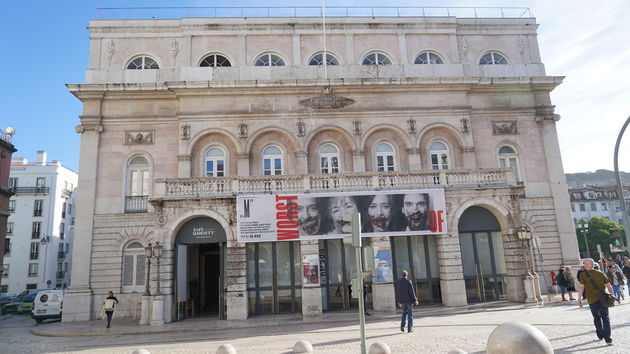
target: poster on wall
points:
(383, 262)
(310, 269)
(291, 217)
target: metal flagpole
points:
(357, 284)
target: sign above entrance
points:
(290, 217)
(200, 230)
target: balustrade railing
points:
(136, 204)
(229, 186)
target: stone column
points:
(311, 295)
(236, 281)
(451, 272)
(383, 295)
(358, 160)
(78, 299)
(516, 266)
(415, 160)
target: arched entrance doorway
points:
(483, 259)
(200, 244)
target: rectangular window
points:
(13, 183)
(41, 182)
(4, 289)
(36, 229)
(31, 286)
(63, 210)
(62, 229)
(69, 209)
(593, 207)
(32, 269)
(572, 207)
(9, 228)
(582, 207)
(5, 273)
(7, 246)
(34, 250)
(576, 195)
(604, 207)
(12, 206)
(37, 207)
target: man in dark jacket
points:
(406, 298)
(626, 272)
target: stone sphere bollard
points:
(379, 348)
(141, 351)
(226, 349)
(302, 347)
(518, 338)
(458, 351)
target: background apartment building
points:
(38, 250)
(602, 202)
(182, 117)
(6, 150)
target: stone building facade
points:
(182, 116)
(6, 151)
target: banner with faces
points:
(290, 217)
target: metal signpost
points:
(357, 284)
(622, 201)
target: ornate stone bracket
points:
(546, 113)
(301, 128)
(504, 128)
(111, 48)
(411, 126)
(242, 130)
(174, 49)
(464, 125)
(356, 127)
(160, 216)
(81, 128)
(185, 132)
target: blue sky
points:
(46, 46)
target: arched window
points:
(376, 58)
(269, 59)
(215, 61)
(318, 59)
(492, 58)
(329, 158)
(133, 267)
(142, 63)
(138, 177)
(508, 158)
(384, 157)
(215, 162)
(428, 58)
(272, 161)
(438, 155)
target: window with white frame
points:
(269, 59)
(428, 58)
(508, 158)
(572, 207)
(13, 183)
(384, 154)
(604, 207)
(593, 207)
(142, 63)
(328, 158)
(5, 272)
(40, 182)
(438, 156)
(9, 228)
(138, 177)
(34, 250)
(32, 269)
(38, 205)
(376, 58)
(318, 59)
(133, 267)
(215, 162)
(272, 161)
(582, 207)
(12, 206)
(215, 61)
(492, 58)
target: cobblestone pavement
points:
(437, 330)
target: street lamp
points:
(44, 242)
(157, 253)
(583, 227)
(148, 252)
(524, 234)
(622, 201)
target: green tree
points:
(597, 232)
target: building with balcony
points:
(6, 150)
(185, 118)
(599, 201)
(37, 252)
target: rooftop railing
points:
(141, 13)
(5, 136)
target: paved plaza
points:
(437, 330)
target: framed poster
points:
(310, 270)
(383, 262)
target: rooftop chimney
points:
(41, 157)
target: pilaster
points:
(452, 282)
(236, 281)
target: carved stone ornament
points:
(504, 128)
(185, 132)
(86, 127)
(356, 127)
(139, 138)
(111, 48)
(464, 44)
(464, 125)
(327, 101)
(547, 116)
(242, 130)
(411, 126)
(301, 128)
(520, 44)
(174, 49)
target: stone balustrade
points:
(230, 186)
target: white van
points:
(48, 304)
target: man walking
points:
(406, 298)
(594, 281)
(626, 272)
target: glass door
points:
(483, 262)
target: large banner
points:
(290, 217)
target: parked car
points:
(48, 304)
(5, 300)
(21, 304)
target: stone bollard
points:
(518, 338)
(141, 351)
(458, 351)
(379, 348)
(302, 347)
(226, 349)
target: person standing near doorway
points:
(406, 298)
(570, 282)
(626, 272)
(594, 281)
(561, 279)
(108, 306)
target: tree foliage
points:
(597, 232)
